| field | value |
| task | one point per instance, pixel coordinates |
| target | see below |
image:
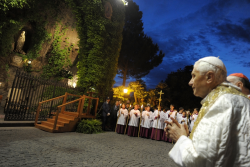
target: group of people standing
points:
(144, 122)
(220, 133)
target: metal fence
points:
(27, 91)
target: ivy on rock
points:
(100, 38)
(100, 42)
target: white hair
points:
(203, 67)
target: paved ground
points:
(29, 147)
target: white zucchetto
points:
(214, 61)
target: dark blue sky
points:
(187, 30)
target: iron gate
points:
(27, 91)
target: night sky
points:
(187, 30)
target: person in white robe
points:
(165, 117)
(221, 134)
(147, 118)
(142, 123)
(179, 114)
(171, 114)
(193, 118)
(183, 119)
(241, 81)
(133, 125)
(122, 117)
(158, 125)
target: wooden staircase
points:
(64, 121)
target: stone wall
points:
(13, 62)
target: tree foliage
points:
(138, 54)
(178, 92)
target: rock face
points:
(17, 61)
(13, 62)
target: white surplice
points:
(134, 120)
(193, 119)
(157, 121)
(146, 120)
(178, 117)
(182, 120)
(171, 114)
(122, 118)
(164, 117)
(222, 137)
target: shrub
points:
(89, 126)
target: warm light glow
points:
(130, 105)
(125, 90)
(125, 2)
(74, 84)
(0, 84)
(141, 106)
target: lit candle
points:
(141, 106)
(130, 105)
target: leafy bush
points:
(89, 126)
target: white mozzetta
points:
(222, 137)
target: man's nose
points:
(191, 82)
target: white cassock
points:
(147, 119)
(221, 135)
(178, 117)
(134, 120)
(193, 119)
(160, 122)
(122, 118)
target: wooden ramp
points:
(65, 121)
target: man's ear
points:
(239, 84)
(210, 77)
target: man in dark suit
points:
(105, 113)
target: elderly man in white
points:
(221, 134)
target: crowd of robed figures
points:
(137, 121)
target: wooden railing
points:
(79, 109)
(40, 104)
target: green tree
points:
(137, 88)
(178, 92)
(138, 53)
